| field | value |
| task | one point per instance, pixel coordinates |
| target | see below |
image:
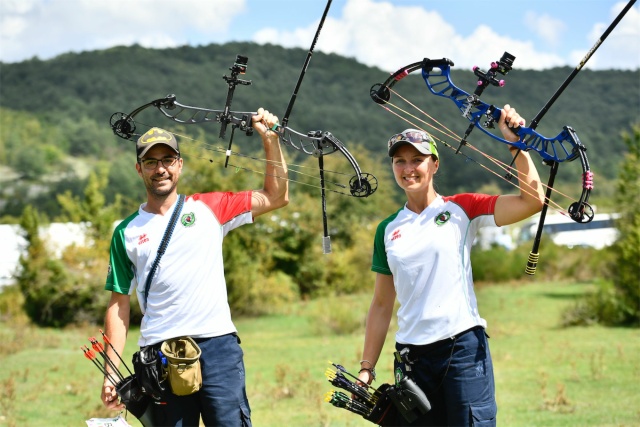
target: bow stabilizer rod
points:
(326, 238)
(583, 209)
(294, 95)
(317, 142)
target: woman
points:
(421, 256)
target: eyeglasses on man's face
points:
(414, 137)
(151, 164)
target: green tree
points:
(68, 290)
(42, 280)
(617, 302)
(91, 209)
(627, 248)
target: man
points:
(187, 295)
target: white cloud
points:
(48, 28)
(386, 34)
(18, 6)
(12, 27)
(545, 27)
(389, 36)
(621, 49)
(479, 48)
(377, 34)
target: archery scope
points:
(240, 65)
(505, 64)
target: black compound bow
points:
(316, 143)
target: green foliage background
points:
(618, 302)
(54, 114)
(59, 160)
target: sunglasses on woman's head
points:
(411, 136)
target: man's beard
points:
(157, 192)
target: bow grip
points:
(248, 127)
(494, 114)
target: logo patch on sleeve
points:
(442, 217)
(188, 219)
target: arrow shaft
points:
(108, 341)
(89, 355)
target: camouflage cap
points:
(153, 137)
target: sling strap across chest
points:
(163, 246)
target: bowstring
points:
(299, 172)
(442, 129)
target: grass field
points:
(545, 375)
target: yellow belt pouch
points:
(183, 365)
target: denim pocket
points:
(484, 414)
(245, 415)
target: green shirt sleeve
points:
(379, 263)
(121, 270)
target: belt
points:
(419, 350)
(201, 340)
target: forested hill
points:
(66, 102)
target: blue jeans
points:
(457, 377)
(222, 400)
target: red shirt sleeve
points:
(226, 205)
(474, 204)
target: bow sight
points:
(503, 66)
(239, 67)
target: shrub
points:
(494, 265)
(58, 292)
(618, 302)
(604, 305)
(339, 315)
(556, 263)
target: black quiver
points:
(149, 371)
(136, 402)
(404, 399)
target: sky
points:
(387, 34)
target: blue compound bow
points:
(566, 146)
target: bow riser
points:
(437, 73)
(186, 114)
